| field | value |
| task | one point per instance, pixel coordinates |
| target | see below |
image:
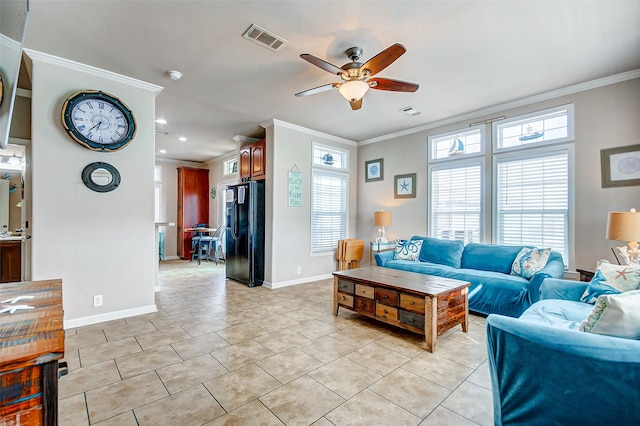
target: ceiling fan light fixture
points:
(353, 90)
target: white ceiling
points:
(466, 55)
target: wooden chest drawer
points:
(412, 303)
(388, 297)
(363, 304)
(365, 291)
(385, 311)
(345, 300)
(345, 286)
(412, 319)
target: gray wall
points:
(605, 117)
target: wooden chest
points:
(31, 343)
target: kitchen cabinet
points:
(253, 161)
(193, 204)
(10, 261)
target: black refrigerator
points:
(245, 232)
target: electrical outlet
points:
(299, 269)
(97, 300)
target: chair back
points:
(349, 253)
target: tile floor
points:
(220, 353)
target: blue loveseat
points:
(545, 371)
(487, 267)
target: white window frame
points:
(458, 163)
(228, 166)
(325, 170)
(158, 206)
(471, 129)
(497, 125)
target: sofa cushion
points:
(407, 250)
(611, 279)
(443, 252)
(564, 314)
(489, 257)
(615, 315)
(529, 261)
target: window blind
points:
(456, 202)
(532, 201)
(328, 210)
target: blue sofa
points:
(545, 371)
(487, 267)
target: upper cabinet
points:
(253, 161)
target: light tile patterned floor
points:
(220, 353)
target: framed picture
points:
(405, 186)
(620, 166)
(374, 170)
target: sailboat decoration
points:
(532, 133)
(457, 147)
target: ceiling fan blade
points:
(322, 64)
(318, 89)
(356, 105)
(392, 85)
(383, 59)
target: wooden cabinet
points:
(32, 342)
(10, 261)
(253, 161)
(193, 204)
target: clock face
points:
(98, 121)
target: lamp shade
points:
(623, 226)
(353, 90)
(382, 218)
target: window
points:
(328, 198)
(157, 178)
(542, 127)
(455, 144)
(456, 202)
(532, 194)
(231, 166)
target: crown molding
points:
(77, 66)
(552, 94)
(275, 122)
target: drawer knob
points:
(411, 303)
(385, 297)
(385, 311)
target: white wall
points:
(605, 117)
(288, 233)
(98, 243)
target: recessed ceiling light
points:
(182, 139)
(163, 151)
(410, 110)
(161, 121)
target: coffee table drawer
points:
(363, 304)
(345, 286)
(412, 303)
(365, 291)
(388, 297)
(386, 311)
(412, 319)
(345, 300)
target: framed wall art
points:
(404, 186)
(374, 170)
(620, 166)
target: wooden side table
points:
(586, 274)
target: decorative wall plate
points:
(101, 177)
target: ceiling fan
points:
(355, 76)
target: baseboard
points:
(171, 258)
(109, 316)
(295, 282)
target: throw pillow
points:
(611, 279)
(408, 250)
(615, 315)
(442, 252)
(529, 261)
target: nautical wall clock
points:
(98, 120)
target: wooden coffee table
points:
(424, 304)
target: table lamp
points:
(381, 219)
(625, 226)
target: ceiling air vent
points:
(264, 38)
